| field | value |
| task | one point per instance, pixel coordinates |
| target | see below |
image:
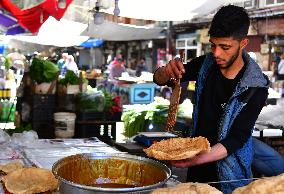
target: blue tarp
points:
(92, 42)
(10, 25)
(2, 48)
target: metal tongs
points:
(174, 102)
(173, 108)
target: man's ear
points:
(244, 42)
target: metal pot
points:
(120, 173)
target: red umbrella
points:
(34, 17)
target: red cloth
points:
(33, 18)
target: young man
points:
(230, 93)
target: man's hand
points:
(185, 163)
(217, 152)
(175, 69)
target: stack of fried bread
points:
(10, 167)
(267, 185)
(188, 188)
(30, 180)
(178, 148)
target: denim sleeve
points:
(245, 121)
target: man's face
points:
(226, 50)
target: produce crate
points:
(90, 116)
(43, 107)
(142, 93)
(112, 117)
(66, 103)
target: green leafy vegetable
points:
(137, 118)
(71, 78)
(43, 70)
(7, 63)
(91, 102)
(108, 100)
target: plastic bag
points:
(4, 137)
(25, 138)
(91, 101)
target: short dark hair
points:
(230, 21)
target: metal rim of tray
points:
(118, 156)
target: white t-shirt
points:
(72, 66)
(281, 67)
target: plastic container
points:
(64, 124)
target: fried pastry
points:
(178, 148)
(30, 180)
(10, 167)
(273, 185)
(188, 188)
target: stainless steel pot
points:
(120, 173)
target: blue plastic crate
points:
(142, 93)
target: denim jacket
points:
(237, 165)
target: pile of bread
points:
(27, 180)
(183, 148)
(267, 185)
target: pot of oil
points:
(120, 173)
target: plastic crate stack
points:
(93, 124)
(43, 108)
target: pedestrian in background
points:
(70, 65)
(280, 68)
(62, 61)
(141, 66)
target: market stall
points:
(28, 151)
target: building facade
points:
(266, 32)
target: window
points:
(246, 4)
(269, 2)
(273, 2)
(191, 42)
(180, 43)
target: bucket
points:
(64, 124)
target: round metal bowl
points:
(120, 173)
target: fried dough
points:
(12, 166)
(30, 180)
(273, 185)
(178, 148)
(188, 188)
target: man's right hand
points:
(174, 69)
